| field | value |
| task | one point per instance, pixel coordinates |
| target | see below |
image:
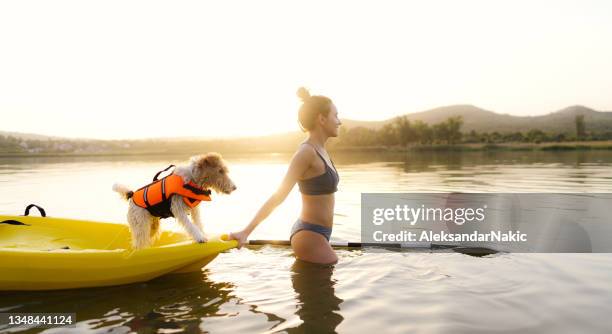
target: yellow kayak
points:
(43, 253)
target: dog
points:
(186, 186)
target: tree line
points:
(403, 132)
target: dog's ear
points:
(195, 160)
(209, 160)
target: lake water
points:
(266, 290)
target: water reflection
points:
(414, 161)
(432, 161)
(254, 294)
(170, 303)
(318, 306)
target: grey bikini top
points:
(325, 183)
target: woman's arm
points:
(299, 164)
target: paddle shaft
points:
(335, 244)
(474, 251)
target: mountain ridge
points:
(482, 120)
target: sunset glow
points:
(137, 69)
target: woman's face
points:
(331, 123)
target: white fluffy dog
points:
(176, 197)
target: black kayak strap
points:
(41, 210)
(161, 171)
(12, 222)
(26, 213)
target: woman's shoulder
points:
(305, 152)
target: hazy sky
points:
(130, 69)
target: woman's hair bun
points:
(303, 94)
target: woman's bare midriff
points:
(318, 209)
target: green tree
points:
(388, 134)
(440, 132)
(405, 132)
(536, 136)
(454, 129)
(580, 127)
(449, 131)
(496, 137)
(472, 137)
(422, 132)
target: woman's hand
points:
(240, 236)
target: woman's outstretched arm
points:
(299, 164)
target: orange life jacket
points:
(155, 197)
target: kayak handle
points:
(26, 213)
(41, 210)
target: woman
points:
(317, 179)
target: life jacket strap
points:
(161, 171)
(196, 190)
(144, 197)
(163, 189)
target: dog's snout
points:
(230, 189)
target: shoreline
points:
(464, 147)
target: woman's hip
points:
(301, 225)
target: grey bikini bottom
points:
(302, 225)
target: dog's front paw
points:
(201, 239)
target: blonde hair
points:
(312, 106)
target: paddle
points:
(473, 251)
(346, 244)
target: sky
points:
(140, 69)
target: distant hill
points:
(27, 136)
(33, 136)
(481, 120)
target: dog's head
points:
(210, 171)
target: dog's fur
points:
(208, 171)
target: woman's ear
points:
(322, 119)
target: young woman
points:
(314, 172)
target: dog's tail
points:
(123, 190)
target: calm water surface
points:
(267, 290)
